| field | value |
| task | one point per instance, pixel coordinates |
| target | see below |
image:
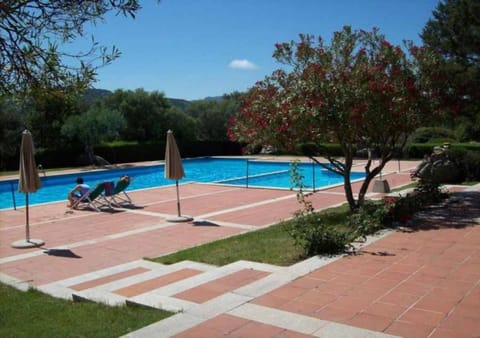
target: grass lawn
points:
(272, 245)
(34, 314)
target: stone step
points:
(175, 287)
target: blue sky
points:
(191, 49)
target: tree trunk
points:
(90, 154)
(369, 176)
(347, 186)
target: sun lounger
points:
(92, 199)
(118, 195)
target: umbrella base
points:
(178, 219)
(24, 244)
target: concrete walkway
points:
(421, 281)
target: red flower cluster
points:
(390, 202)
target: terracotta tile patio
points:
(417, 281)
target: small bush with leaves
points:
(405, 207)
(370, 218)
(429, 134)
(316, 236)
(427, 192)
(468, 161)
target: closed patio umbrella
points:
(174, 171)
(28, 182)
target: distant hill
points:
(213, 98)
(93, 94)
(179, 103)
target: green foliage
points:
(468, 161)
(369, 218)
(317, 236)
(213, 116)
(149, 116)
(358, 89)
(47, 110)
(183, 125)
(453, 30)
(467, 128)
(144, 112)
(179, 103)
(92, 95)
(131, 151)
(432, 134)
(93, 127)
(310, 230)
(32, 34)
(10, 133)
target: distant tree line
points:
(58, 118)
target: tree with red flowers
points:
(358, 90)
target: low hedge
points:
(411, 151)
(136, 152)
(419, 150)
(124, 153)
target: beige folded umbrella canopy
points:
(28, 182)
(174, 171)
(173, 160)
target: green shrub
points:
(314, 233)
(370, 218)
(316, 236)
(467, 161)
(472, 166)
(433, 134)
(419, 150)
(404, 207)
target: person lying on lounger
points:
(80, 190)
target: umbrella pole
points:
(178, 199)
(27, 219)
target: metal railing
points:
(247, 174)
(13, 196)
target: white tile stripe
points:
(145, 229)
(44, 222)
(303, 324)
(85, 242)
(194, 314)
(247, 206)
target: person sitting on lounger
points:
(80, 190)
(125, 178)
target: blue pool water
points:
(211, 170)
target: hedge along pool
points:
(240, 172)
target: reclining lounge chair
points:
(118, 196)
(91, 199)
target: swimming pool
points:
(205, 170)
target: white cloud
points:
(242, 64)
